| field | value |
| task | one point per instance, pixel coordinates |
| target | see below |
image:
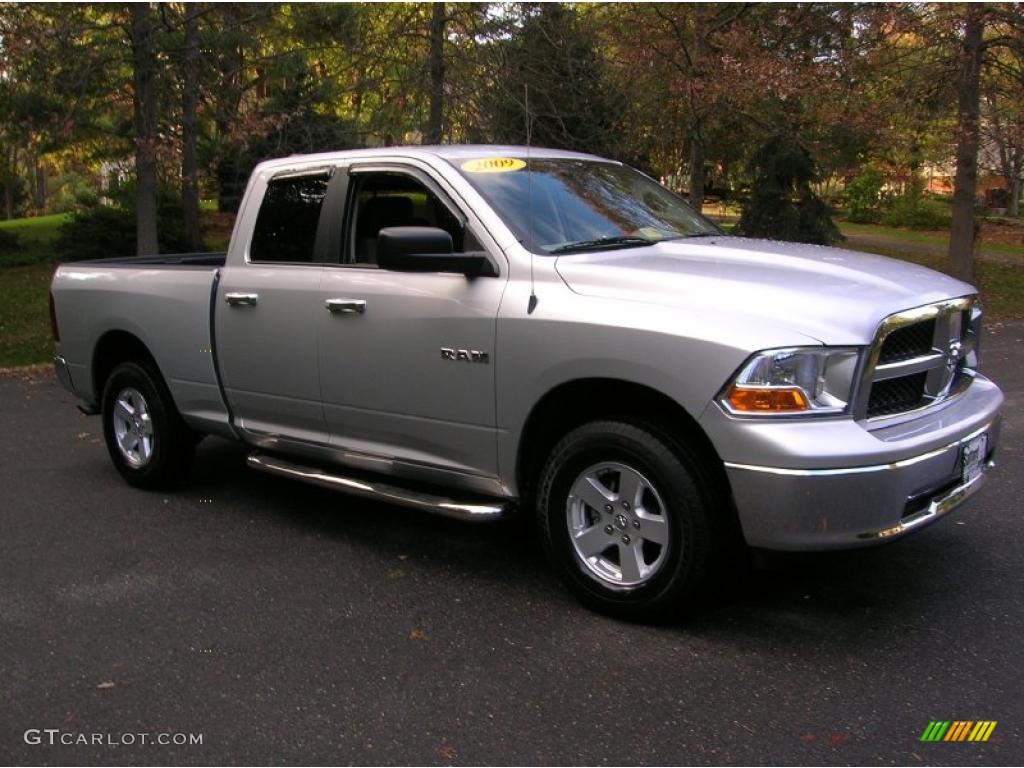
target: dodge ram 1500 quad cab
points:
(472, 330)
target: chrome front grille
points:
(920, 358)
(891, 396)
(908, 342)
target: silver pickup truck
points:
(472, 330)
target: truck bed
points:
(163, 301)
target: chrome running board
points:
(490, 509)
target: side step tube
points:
(460, 510)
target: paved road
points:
(289, 625)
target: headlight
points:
(805, 380)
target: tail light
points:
(53, 320)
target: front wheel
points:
(625, 519)
(149, 443)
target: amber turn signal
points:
(766, 399)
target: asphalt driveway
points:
(287, 624)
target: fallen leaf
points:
(448, 753)
(837, 737)
(808, 738)
(417, 634)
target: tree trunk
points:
(36, 173)
(189, 104)
(437, 24)
(1013, 209)
(10, 159)
(145, 111)
(696, 172)
(697, 153)
(961, 235)
(32, 172)
(40, 190)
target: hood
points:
(833, 295)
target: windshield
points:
(562, 205)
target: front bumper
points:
(867, 486)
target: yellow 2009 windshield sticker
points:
(493, 165)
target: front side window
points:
(288, 219)
(562, 205)
(396, 200)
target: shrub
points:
(12, 250)
(97, 233)
(864, 197)
(107, 231)
(915, 211)
(9, 243)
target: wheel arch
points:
(575, 402)
(113, 348)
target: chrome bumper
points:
(808, 509)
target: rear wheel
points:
(625, 519)
(149, 443)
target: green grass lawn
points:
(24, 315)
(911, 237)
(36, 236)
(36, 228)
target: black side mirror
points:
(427, 249)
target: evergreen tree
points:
(557, 57)
(782, 205)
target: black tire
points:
(172, 444)
(679, 579)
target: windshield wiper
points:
(619, 241)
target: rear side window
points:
(288, 218)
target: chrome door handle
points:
(241, 299)
(346, 306)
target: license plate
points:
(972, 458)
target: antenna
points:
(532, 304)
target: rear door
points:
(407, 359)
(267, 310)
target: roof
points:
(450, 152)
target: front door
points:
(407, 360)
